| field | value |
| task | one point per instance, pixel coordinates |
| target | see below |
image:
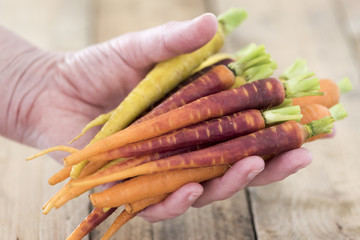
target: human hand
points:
(60, 92)
(250, 171)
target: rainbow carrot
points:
(216, 130)
(269, 141)
(72, 193)
(255, 95)
(332, 92)
(149, 185)
(163, 78)
(96, 217)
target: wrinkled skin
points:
(47, 97)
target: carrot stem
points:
(298, 67)
(277, 115)
(321, 126)
(345, 85)
(338, 112)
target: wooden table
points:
(319, 202)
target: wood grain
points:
(319, 202)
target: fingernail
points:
(193, 196)
(254, 173)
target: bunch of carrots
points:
(189, 120)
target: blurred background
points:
(320, 202)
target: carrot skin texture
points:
(215, 130)
(200, 84)
(269, 141)
(330, 98)
(96, 217)
(147, 186)
(255, 95)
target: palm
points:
(81, 86)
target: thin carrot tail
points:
(123, 218)
(99, 120)
(60, 176)
(52, 149)
(96, 217)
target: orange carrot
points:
(313, 112)
(215, 130)
(331, 91)
(153, 185)
(96, 217)
(130, 211)
(137, 206)
(269, 141)
(60, 176)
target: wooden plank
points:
(24, 190)
(55, 25)
(114, 18)
(321, 201)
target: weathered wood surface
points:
(319, 202)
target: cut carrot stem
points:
(52, 149)
(269, 141)
(96, 217)
(298, 67)
(137, 206)
(123, 218)
(216, 130)
(163, 78)
(345, 85)
(60, 176)
(259, 94)
(153, 185)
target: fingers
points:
(145, 48)
(234, 180)
(282, 166)
(174, 205)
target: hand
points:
(250, 171)
(58, 93)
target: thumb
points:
(143, 49)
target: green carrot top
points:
(253, 63)
(323, 125)
(232, 18)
